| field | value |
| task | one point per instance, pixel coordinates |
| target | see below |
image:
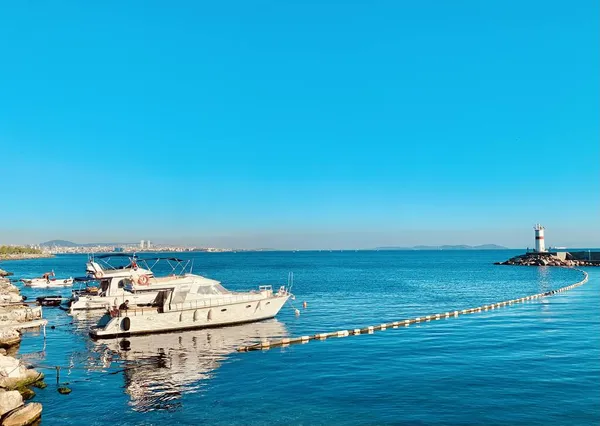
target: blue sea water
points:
(532, 363)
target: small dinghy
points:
(48, 280)
(49, 300)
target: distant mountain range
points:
(64, 243)
(448, 247)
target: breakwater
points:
(548, 259)
(267, 344)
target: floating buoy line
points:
(284, 342)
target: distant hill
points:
(449, 247)
(64, 243)
(58, 243)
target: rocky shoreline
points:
(545, 259)
(16, 378)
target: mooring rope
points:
(267, 344)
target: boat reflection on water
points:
(159, 368)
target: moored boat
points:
(199, 305)
(48, 280)
(134, 281)
(49, 300)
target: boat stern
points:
(109, 325)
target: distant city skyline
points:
(292, 126)
(511, 238)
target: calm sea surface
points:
(533, 363)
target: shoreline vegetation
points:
(19, 253)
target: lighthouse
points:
(540, 247)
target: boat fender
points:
(143, 280)
(125, 324)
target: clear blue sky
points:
(300, 125)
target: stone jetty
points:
(15, 376)
(546, 259)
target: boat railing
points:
(134, 312)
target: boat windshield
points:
(220, 289)
(212, 289)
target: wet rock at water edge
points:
(26, 393)
(4, 273)
(63, 390)
(40, 385)
(15, 375)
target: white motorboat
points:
(198, 304)
(48, 280)
(133, 281)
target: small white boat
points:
(48, 280)
(197, 305)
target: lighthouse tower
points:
(540, 247)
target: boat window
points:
(124, 282)
(206, 289)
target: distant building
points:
(148, 244)
(142, 244)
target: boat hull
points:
(42, 283)
(150, 321)
(49, 300)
